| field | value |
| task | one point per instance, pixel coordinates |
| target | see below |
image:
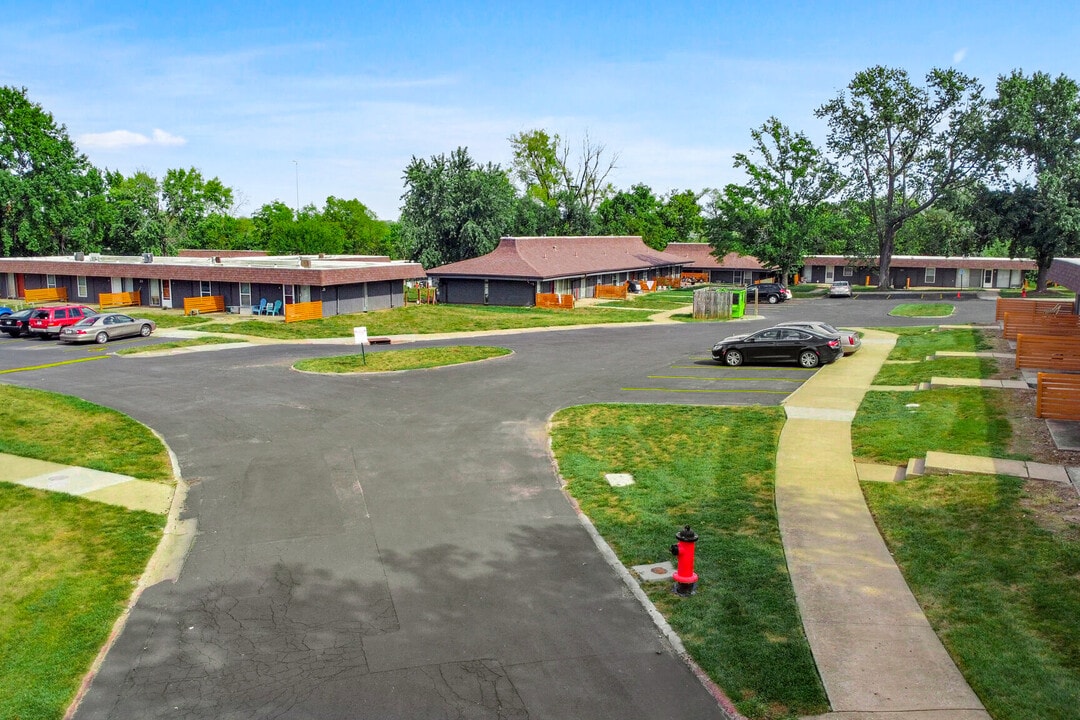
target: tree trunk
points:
(888, 242)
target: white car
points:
(849, 339)
(840, 288)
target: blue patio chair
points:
(260, 308)
(274, 309)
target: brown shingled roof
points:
(701, 258)
(546, 258)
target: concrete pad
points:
(1065, 434)
(14, 468)
(1015, 385)
(960, 382)
(879, 473)
(887, 667)
(619, 479)
(74, 480)
(809, 413)
(893, 388)
(951, 714)
(1074, 477)
(855, 594)
(135, 495)
(1042, 471)
(940, 462)
(655, 571)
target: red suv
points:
(47, 321)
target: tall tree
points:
(454, 208)
(189, 199)
(550, 174)
(1038, 119)
(634, 212)
(904, 146)
(137, 223)
(364, 233)
(779, 215)
(49, 192)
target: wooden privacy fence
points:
(555, 300)
(710, 304)
(121, 299)
(671, 282)
(296, 312)
(202, 305)
(1046, 352)
(696, 276)
(1058, 397)
(1031, 307)
(57, 294)
(610, 292)
(1038, 324)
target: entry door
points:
(20, 285)
(117, 285)
(830, 273)
(166, 293)
(988, 278)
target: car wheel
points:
(773, 299)
(101, 338)
(145, 331)
(733, 358)
(809, 359)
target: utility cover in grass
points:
(619, 479)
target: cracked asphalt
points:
(396, 546)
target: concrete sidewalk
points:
(876, 653)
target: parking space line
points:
(49, 365)
(681, 390)
(726, 378)
(718, 365)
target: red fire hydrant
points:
(685, 578)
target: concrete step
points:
(915, 467)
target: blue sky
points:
(351, 91)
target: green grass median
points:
(394, 360)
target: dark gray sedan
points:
(106, 327)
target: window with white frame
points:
(50, 281)
(931, 276)
(245, 294)
(81, 282)
(204, 288)
(848, 271)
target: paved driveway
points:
(387, 546)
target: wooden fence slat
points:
(57, 294)
(207, 304)
(1047, 352)
(555, 300)
(1031, 307)
(610, 292)
(121, 299)
(1058, 397)
(297, 312)
(1057, 325)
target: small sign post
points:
(360, 338)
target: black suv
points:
(771, 293)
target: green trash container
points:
(738, 302)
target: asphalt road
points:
(397, 546)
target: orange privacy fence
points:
(696, 276)
(610, 292)
(121, 299)
(671, 282)
(57, 294)
(555, 300)
(1058, 397)
(1038, 324)
(202, 305)
(1030, 307)
(296, 312)
(1043, 352)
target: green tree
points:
(551, 175)
(136, 221)
(634, 212)
(683, 217)
(188, 199)
(1038, 119)
(50, 194)
(903, 147)
(364, 233)
(936, 231)
(779, 215)
(454, 208)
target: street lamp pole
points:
(296, 166)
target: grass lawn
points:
(918, 343)
(1001, 590)
(893, 427)
(193, 342)
(1051, 293)
(711, 468)
(958, 367)
(391, 360)
(67, 569)
(166, 319)
(64, 429)
(928, 310)
(423, 319)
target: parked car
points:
(17, 323)
(47, 322)
(849, 339)
(778, 344)
(771, 293)
(103, 328)
(840, 288)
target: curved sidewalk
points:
(876, 653)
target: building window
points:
(288, 294)
(245, 294)
(204, 288)
(50, 281)
(81, 286)
(931, 276)
(848, 271)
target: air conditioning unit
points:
(148, 257)
(79, 256)
(305, 262)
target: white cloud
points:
(121, 139)
(959, 55)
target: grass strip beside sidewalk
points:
(712, 469)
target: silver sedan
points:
(105, 327)
(849, 339)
